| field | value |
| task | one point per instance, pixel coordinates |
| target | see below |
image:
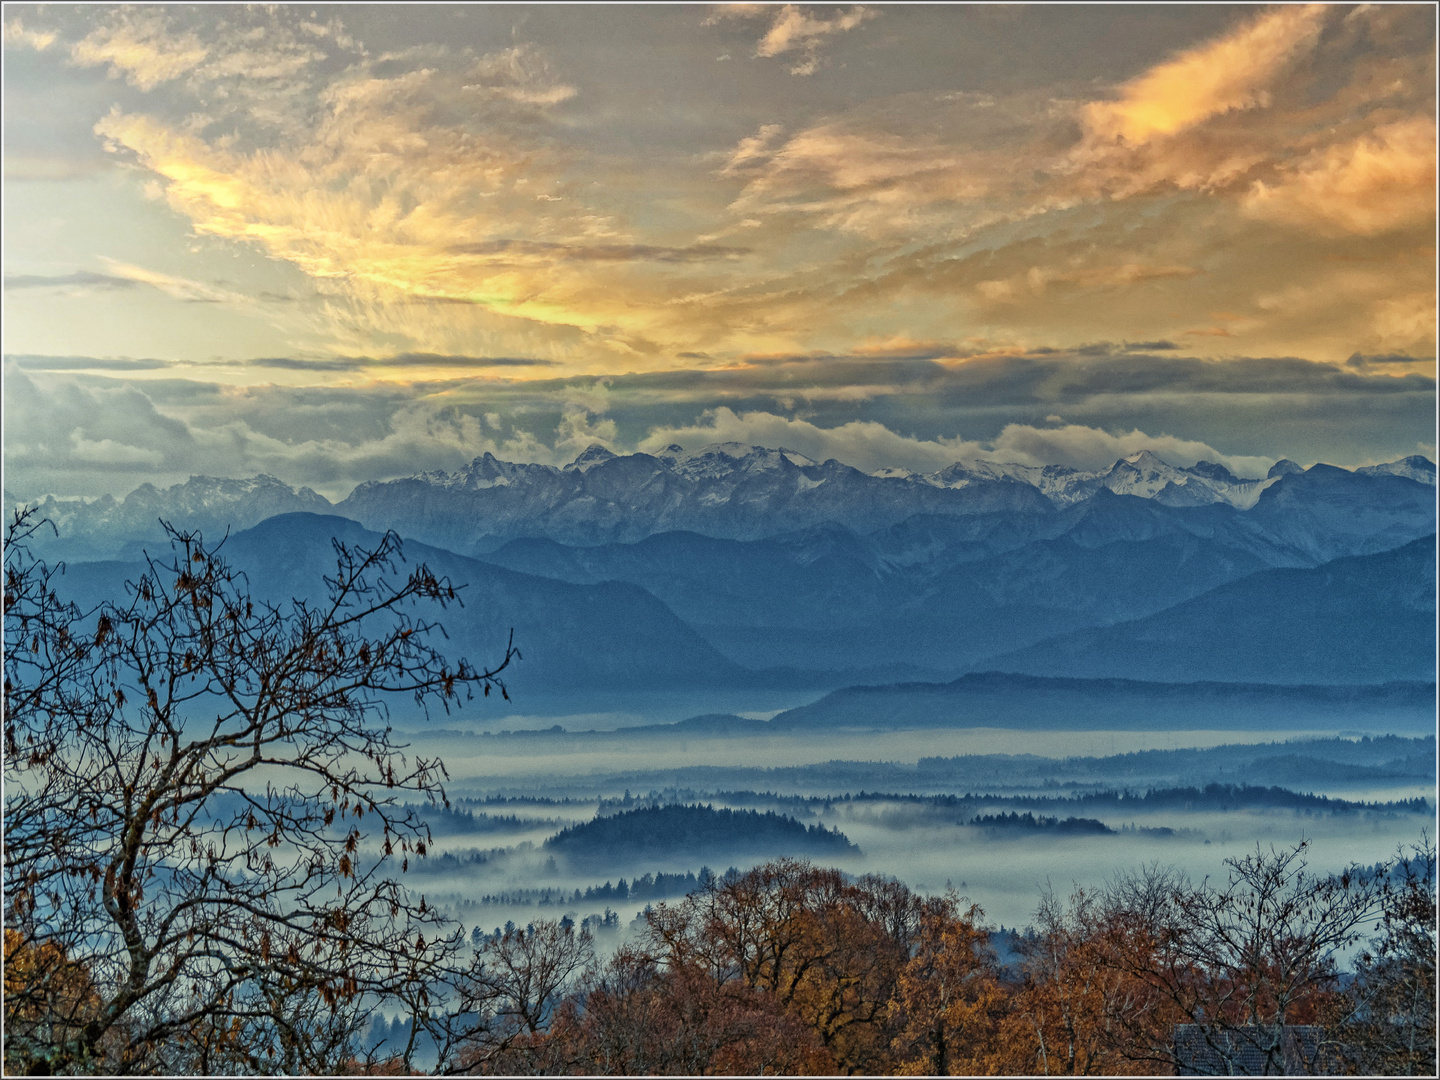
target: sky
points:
(337, 244)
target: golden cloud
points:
(438, 209)
(1378, 182)
(393, 208)
(794, 28)
(17, 36)
(1233, 72)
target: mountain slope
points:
(572, 637)
(1325, 512)
(1362, 619)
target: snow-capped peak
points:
(1283, 467)
(592, 455)
(1414, 467)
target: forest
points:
(664, 830)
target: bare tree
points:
(511, 991)
(1389, 1026)
(1241, 962)
(202, 811)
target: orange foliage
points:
(49, 998)
(948, 1001)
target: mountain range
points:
(725, 490)
(1367, 618)
(571, 637)
(747, 567)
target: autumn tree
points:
(829, 950)
(203, 806)
(634, 1016)
(507, 998)
(1080, 1006)
(948, 1002)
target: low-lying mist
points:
(489, 864)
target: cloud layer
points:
(84, 425)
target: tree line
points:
(793, 968)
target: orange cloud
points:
(1037, 279)
(793, 28)
(1370, 185)
(1221, 76)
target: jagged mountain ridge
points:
(724, 490)
(113, 528)
(1142, 473)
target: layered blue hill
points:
(1361, 619)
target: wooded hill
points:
(663, 831)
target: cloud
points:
(1037, 279)
(140, 47)
(17, 36)
(1363, 362)
(873, 412)
(599, 252)
(1092, 448)
(388, 197)
(520, 75)
(864, 444)
(871, 446)
(193, 292)
(60, 429)
(29, 362)
(80, 279)
(794, 28)
(1230, 73)
(1380, 181)
(912, 166)
(456, 205)
(109, 453)
(401, 360)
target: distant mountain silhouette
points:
(942, 593)
(821, 575)
(1005, 700)
(1366, 618)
